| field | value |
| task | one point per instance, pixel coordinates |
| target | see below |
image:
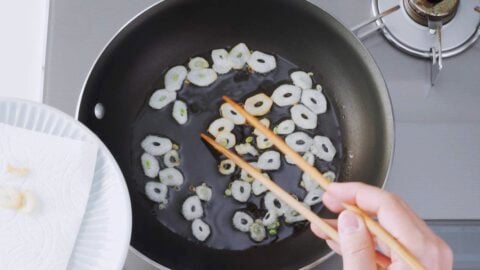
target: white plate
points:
(104, 236)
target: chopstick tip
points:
(227, 99)
(203, 135)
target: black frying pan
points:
(359, 119)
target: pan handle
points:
(356, 29)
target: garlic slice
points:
(242, 221)
(301, 79)
(314, 100)
(161, 98)
(261, 62)
(180, 112)
(258, 105)
(263, 142)
(221, 65)
(299, 141)
(246, 148)
(150, 165)
(226, 139)
(156, 192)
(269, 160)
(198, 63)
(227, 111)
(226, 167)
(200, 230)
(241, 190)
(263, 121)
(303, 117)
(202, 77)
(220, 125)
(323, 148)
(286, 95)
(174, 78)
(239, 56)
(156, 145)
(171, 177)
(285, 127)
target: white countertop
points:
(23, 31)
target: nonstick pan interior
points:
(132, 65)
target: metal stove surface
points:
(436, 166)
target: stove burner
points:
(461, 31)
(423, 11)
(432, 29)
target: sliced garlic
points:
(150, 165)
(180, 112)
(258, 232)
(299, 141)
(258, 105)
(221, 65)
(286, 95)
(204, 192)
(292, 216)
(198, 63)
(265, 122)
(202, 77)
(323, 148)
(220, 125)
(171, 159)
(269, 160)
(171, 177)
(258, 188)
(303, 117)
(330, 175)
(285, 127)
(301, 79)
(241, 190)
(161, 98)
(263, 142)
(156, 192)
(192, 208)
(239, 56)
(226, 139)
(261, 62)
(200, 230)
(247, 177)
(226, 167)
(175, 77)
(227, 111)
(246, 148)
(308, 183)
(272, 203)
(156, 145)
(314, 100)
(313, 197)
(242, 221)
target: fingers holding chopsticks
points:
(396, 217)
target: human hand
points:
(357, 245)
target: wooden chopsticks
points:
(381, 259)
(374, 227)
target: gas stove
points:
(429, 55)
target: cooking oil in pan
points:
(199, 164)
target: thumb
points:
(355, 242)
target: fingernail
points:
(348, 222)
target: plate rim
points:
(125, 196)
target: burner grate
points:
(430, 30)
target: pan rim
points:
(370, 62)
